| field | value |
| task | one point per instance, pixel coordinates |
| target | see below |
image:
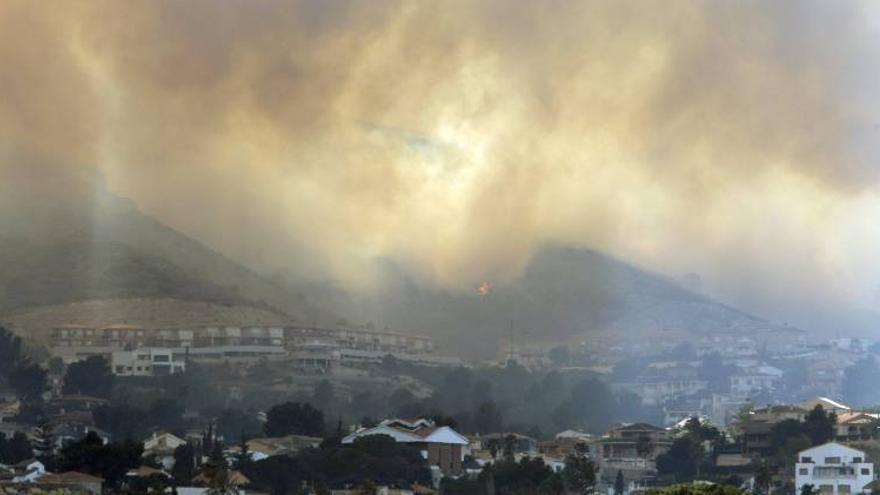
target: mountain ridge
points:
(565, 296)
(74, 241)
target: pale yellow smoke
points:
(456, 137)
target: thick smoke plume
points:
(731, 139)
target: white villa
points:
(833, 469)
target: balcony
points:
(834, 473)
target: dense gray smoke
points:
(735, 140)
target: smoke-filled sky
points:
(734, 140)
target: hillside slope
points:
(37, 322)
(66, 239)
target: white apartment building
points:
(833, 469)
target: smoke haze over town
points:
(467, 247)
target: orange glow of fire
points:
(485, 288)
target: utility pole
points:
(510, 353)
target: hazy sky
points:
(732, 139)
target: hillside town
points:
(762, 412)
(456, 247)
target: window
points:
(866, 471)
(857, 460)
(826, 489)
(832, 460)
(843, 489)
(803, 471)
(807, 459)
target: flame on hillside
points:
(485, 288)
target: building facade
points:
(833, 469)
(147, 362)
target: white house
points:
(162, 446)
(440, 446)
(833, 469)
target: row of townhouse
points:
(360, 339)
(147, 351)
(132, 346)
(210, 336)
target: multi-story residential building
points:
(242, 343)
(755, 379)
(854, 426)
(833, 469)
(315, 356)
(147, 362)
(623, 444)
(124, 336)
(754, 432)
(210, 344)
(632, 450)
